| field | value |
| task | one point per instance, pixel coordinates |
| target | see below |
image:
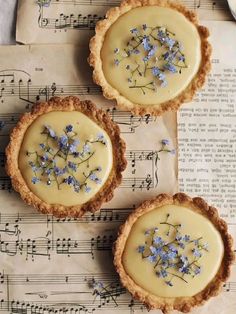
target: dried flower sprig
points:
(106, 292)
(66, 147)
(168, 257)
(144, 47)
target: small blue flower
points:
(166, 55)
(35, 180)
(134, 31)
(172, 248)
(172, 255)
(146, 43)
(48, 171)
(50, 131)
(196, 253)
(181, 244)
(141, 248)
(152, 52)
(94, 178)
(197, 270)
(164, 83)
(87, 189)
(186, 238)
(184, 269)
(117, 62)
(157, 240)
(178, 237)
(147, 232)
(170, 42)
(205, 246)
(165, 142)
(162, 273)
(73, 146)
(100, 137)
(152, 258)
(59, 171)
(161, 36)
(34, 167)
(72, 165)
(184, 259)
(69, 180)
(153, 249)
(116, 50)
(182, 58)
(44, 157)
(136, 51)
(96, 284)
(162, 76)
(63, 141)
(173, 151)
(86, 149)
(69, 128)
(156, 71)
(43, 146)
(170, 67)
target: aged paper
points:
(48, 264)
(207, 142)
(73, 21)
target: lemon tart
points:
(173, 253)
(65, 157)
(150, 55)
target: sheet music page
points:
(48, 264)
(207, 140)
(73, 21)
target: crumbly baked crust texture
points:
(109, 92)
(100, 117)
(181, 304)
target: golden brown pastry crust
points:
(181, 304)
(98, 116)
(109, 92)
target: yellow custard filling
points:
(77, 164)
(135, 78)
(201, 244)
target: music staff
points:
(79, 22)
(108, 215)
(76, 20)
(196, 4)
(44, 246)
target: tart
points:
(65, 157)
(150, 55)
(173, 253)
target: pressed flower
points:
(69, 128)
(168, 256)
(35, 180)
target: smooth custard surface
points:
(119, 34)
(86, 129)
(196, 225)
